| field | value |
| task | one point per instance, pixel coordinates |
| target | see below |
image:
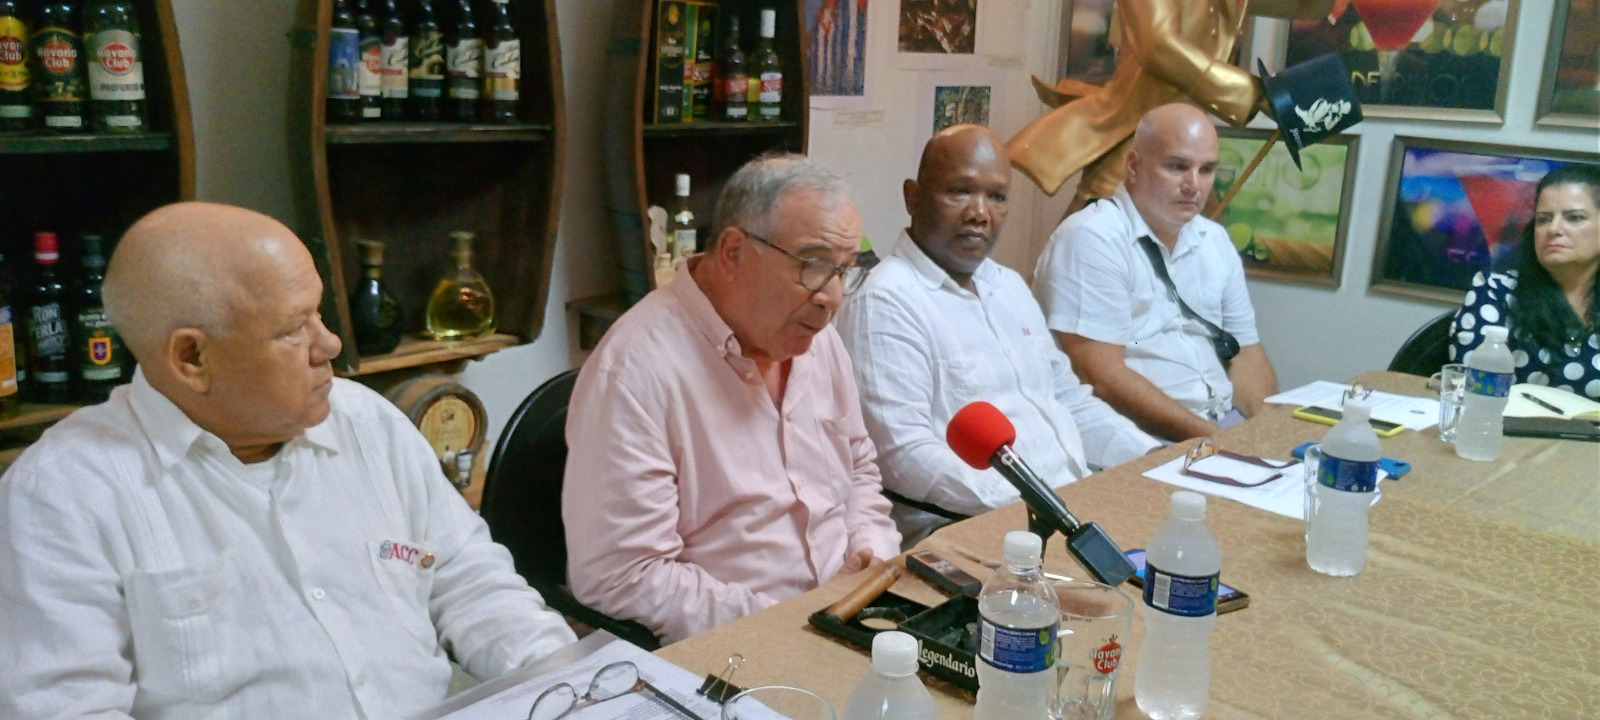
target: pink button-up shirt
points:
(691, 499)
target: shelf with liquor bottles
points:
(94, 133)
(414, 120)
(678, 115)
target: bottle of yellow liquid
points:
(461, 307)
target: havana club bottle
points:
(116, 67)
(16, 102)
(60, 82)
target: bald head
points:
(1179, 123)
(188, 265)
(958, 145)
(1171, 167)
(959, 201)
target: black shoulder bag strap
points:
(1222, 341)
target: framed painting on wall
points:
(1423, 59)
(1088, 40)
(836, 53)
(1569, 93)
(1287, 223)
(937, 34)
(1453, 209)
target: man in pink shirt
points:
(718, 460)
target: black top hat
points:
(1311, 101)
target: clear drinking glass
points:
(1452, 382)
(776, 702)
(1094, 626)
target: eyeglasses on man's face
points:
(609, 683)
(816, 272)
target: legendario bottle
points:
(116, 69)
(102, 360)
(60, 83)
(16, 103)
(461, 307)
(396, 60)
(49, 338)
(767, 94)
(374, 312)
(502, 66)
(427, 64)
(734, 90)
(344, 54)
(463, 64)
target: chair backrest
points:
(522, 503)
(1427, 350)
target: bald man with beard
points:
(238, 533)
(1100, 283)
(938, 325)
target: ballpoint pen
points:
(1543, 404)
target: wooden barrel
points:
(624, 144)
(450, 416)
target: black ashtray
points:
(948, 633)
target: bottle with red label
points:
(16, 102)
(369, 71)
(49, 337)
(733, 87)
(116, 67)
(766, 91)
(60, 82)
(463, 59)
(396, 50)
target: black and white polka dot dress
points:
(1575, 367)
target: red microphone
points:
(982, 436)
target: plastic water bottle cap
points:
(1496, 332)
(1188, 505)
(894, 653)
(1023, 548)
(1357, 409)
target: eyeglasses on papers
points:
(609, 683)
(816, 272)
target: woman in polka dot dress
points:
(1551, 300)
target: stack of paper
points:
(1413, 412)
(1285, 496)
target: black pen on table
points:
(1542, 403)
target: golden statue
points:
(1171, 50)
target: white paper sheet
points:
(1416, 413)
(1285, 496)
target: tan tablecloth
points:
(1465, 609)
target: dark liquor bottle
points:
(116, 67)
(102, 359)
(463, 64)
(396, 57)
(49, 338)
(369, 72)
(16, 102)
(427, 64)
(374, 312)
(734, 88)
(60, 82)
(767, 96)
(502, 61)
(10, 385)
(344, 55)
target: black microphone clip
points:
(1047, 515)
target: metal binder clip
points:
(1358, 391)
(721, 687)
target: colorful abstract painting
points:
(836, 32)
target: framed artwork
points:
(1288, 223)
(937, 34)
(836, 53)
(1422, 59)
(953, 97)
(1569, 94)
(1089, 40)
(1453, 209)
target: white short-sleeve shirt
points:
(1095, 280)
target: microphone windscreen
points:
(977, 432)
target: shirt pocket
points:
(186, 625)
(407, 584)
(835, 442)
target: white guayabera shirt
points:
(145, 571)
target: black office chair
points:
(1427, 350)
(522, 504)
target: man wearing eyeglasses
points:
(718, 462)
(939, 325)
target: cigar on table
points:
(869, 590)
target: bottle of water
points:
(892, 691)
(1341, 494)
(1173, 681)
(1018, 618)
(1489, 378)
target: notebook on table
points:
(1540, 411)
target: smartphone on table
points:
(1323, 415)
(1228, 598)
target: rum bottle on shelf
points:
(102, 359)
(50, 341)
(10, 386)
(60, 84)
(461, 307)
(426, 85)
(116, 66)
(463, 65)
(767, 96)
(734, 85)
(502, 61)
(681, 230)
(369, 72)
(395, 50)
(374, 312)
(16, 102)
(344, 54)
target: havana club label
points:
(115, 69)
(58, 58)
(13, 54)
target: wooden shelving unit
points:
(410, 184)
(80, 184)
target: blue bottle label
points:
(1018, 650)
(344, 55)
(1491, 384)
(1182, 595)
(1347, 475)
